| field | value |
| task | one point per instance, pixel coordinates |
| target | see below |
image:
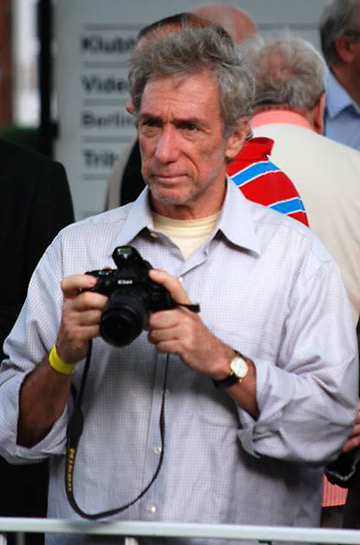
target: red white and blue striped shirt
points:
(263, 182)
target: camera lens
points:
(123, 319)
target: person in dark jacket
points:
(35, 203)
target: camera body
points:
(132, 296)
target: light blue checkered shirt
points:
(342, 115)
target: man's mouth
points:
(167, 178)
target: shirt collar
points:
(235, 221)
(256, 149)
(337, 98)
(138, 219)
(287, 117)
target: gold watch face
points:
(239, 367)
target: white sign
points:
(92, 90)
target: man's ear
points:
(343, 49)
(130, 107)
(317, 114)
(236, 140)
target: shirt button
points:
(151, 508)
(167, 392)
(157, 450)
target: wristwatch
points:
(239, 368)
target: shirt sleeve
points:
(32, 337)
(307, 398)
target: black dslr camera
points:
(132, 296)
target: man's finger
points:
(89, 300)
(163, 319)
(72, 285)
(172, 284)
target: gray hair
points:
(338, 18)
(190, 51)
(288, 72)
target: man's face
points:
(182, 146)
(356, 47)
(348, 50)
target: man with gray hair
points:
(289, 108)
(254, 395)
(340, 42)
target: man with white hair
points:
(289, 108)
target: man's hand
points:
(80, 317)
(44, 391)
(182, 332)
(354, 439)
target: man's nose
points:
(167, 148)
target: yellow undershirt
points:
(188, 235)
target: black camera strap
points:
(74, 431)
(192, 307)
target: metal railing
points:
(184, 530)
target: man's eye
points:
(189, 127)
(149, 123)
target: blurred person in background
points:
(340, 43)
(289, 108)
(35, 204)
